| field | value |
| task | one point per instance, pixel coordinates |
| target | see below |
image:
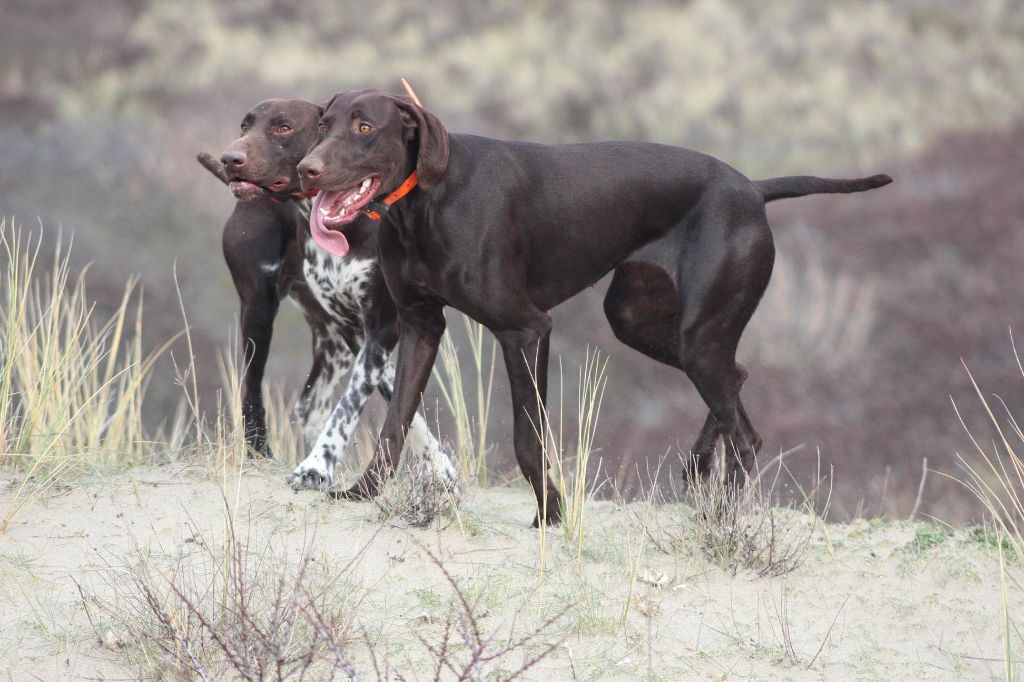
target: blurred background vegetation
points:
(876, 298)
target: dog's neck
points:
(402, 213)
(377, 209)
(412, 216)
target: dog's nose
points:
(233, 158)
(310, 168)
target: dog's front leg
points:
(317, 470)
(526, 358)
(259, 308)
(422, 328)
(331, 360)
(430, 458)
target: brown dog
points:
(505, 231)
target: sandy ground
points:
(871, 600)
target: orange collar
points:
(377, 209)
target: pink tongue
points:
(331, 241)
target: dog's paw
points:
(261, 451)
(438, 463)
(309, 477)
(450, 485)
(552, 518)
(441, 461)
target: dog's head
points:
(369, 143)
(276, 134)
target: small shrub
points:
(927, 536)
(237, 611)
(465, 651)
(419, 498)
(743, 528)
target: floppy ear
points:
(324, 106)
(432, 137)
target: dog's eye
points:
(283, 130)
(364, 128)
(322, 129)
(244, 126)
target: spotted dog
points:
(345, 300)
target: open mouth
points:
(244, 190)
(331, 211)
(342, 206)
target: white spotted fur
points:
(339, 285)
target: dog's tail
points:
(211, 164)
(802, 185)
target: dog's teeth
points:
(324, 212)
(366, 183)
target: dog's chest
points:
(340, 285)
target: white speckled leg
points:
(331, 360)
(373, 368)
(317, 470)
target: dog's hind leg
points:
(727, 268)
(642, 307)
(703, 449)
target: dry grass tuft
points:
(471, 418)
(570, 466)
(745, 528)
(995, 475)
(419, 498)
(71, 386)
(742, 529)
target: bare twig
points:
(920, 488)
(828, 632)
(885, 490)
(234, 613)
(467, 662)
(411, 93)
(211, 164)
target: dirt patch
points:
(871, 599)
